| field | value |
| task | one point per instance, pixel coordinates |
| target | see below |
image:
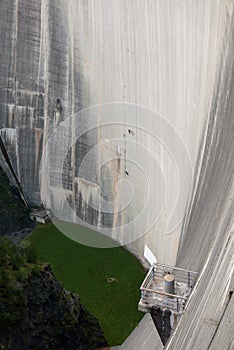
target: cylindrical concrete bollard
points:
(169, 284)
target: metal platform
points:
(153, 294)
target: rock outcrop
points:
(36, 312)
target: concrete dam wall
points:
(123, 97)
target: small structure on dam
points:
(164, 293)
(39, 215)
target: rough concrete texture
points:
(208, 244)
(144, 336)
(173, 57)
(58, 57)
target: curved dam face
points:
(152, 71)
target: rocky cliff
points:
(36, 312)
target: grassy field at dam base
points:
(85, 270)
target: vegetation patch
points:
(86, 270)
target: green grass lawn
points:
(85, 270)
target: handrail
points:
(175, 304)
(185, 276)
(175, 268)
(145, 279)
(175, 273)
(155, 296)
(172, 304)
(163, 293)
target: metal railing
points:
(153, 297)
(181, 275)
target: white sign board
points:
(150, 257)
